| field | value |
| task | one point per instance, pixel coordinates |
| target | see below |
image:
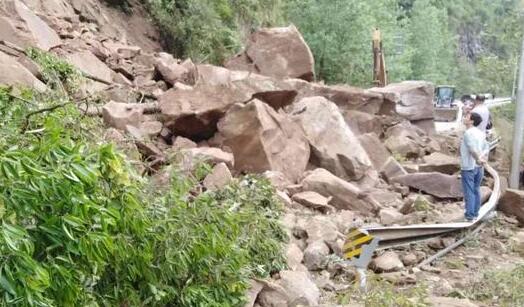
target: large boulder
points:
(88, 63)
(315, 255)
(405, 140)
(346, 97)
(276, 52)
(334, 146)
(58, 8)
(345, 195)
(272, 91)
(19, 25)
(439, 162)
(512, 203)
(361, 122)
(119, 115)
(299, 288)
(13, 73)
(194, 112)
(173, 71)
(413, 99)
(436, 184)
(262, 139)
(377, 152)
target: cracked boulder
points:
(262, 139)
(276, 52)
(334, 146)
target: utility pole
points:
(518, 132)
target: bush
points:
(78, 227)
(499, 288)
(210, 31)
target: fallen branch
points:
(43, 110)
(21, 99)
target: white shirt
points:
(483, 111)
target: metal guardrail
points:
(362, 242)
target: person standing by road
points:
(481, 109)
(473, 155)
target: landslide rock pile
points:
(339, 156)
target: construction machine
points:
(380, 78)
(446, 107)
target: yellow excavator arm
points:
(380, 78)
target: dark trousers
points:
(471, 180)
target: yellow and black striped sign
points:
(354, 242)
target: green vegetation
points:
(79, 228)
(382, 293)
(471, 44)
(498, 288)
(210, 30)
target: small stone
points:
(315, 255)
(387, 262)
(219, 177)
(409, 259)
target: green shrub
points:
(499, 287)
(78, 228)
(207, 30)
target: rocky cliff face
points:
(339, 156)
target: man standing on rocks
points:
(473, 156)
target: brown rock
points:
(195, 112)
(277, 179)
(387, 262)
(436, 184)
(209, 155)
(294, 256)
(254, 289)
(261, 139)
(360, 122)
(219, 177)
(272, 295)
(345, 195)
(183, 143)
(344, 96)
(377, 152)
(405, 140)
(334, 146)
(88, 63)
(413, 99)
(151, 128)
(13, 73)
(173, 72)
(485, 193)
(313, 200)
(512, 203)
(146, 147)
(389, 216)
(19, 25)
(299, 288)
(119, 115)
(315, 255)
(59, 8)
(120, 50)
(438, 162)
(272, 91)
(409, 259)
(386, 198)
(277, 52)
(392, 169)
